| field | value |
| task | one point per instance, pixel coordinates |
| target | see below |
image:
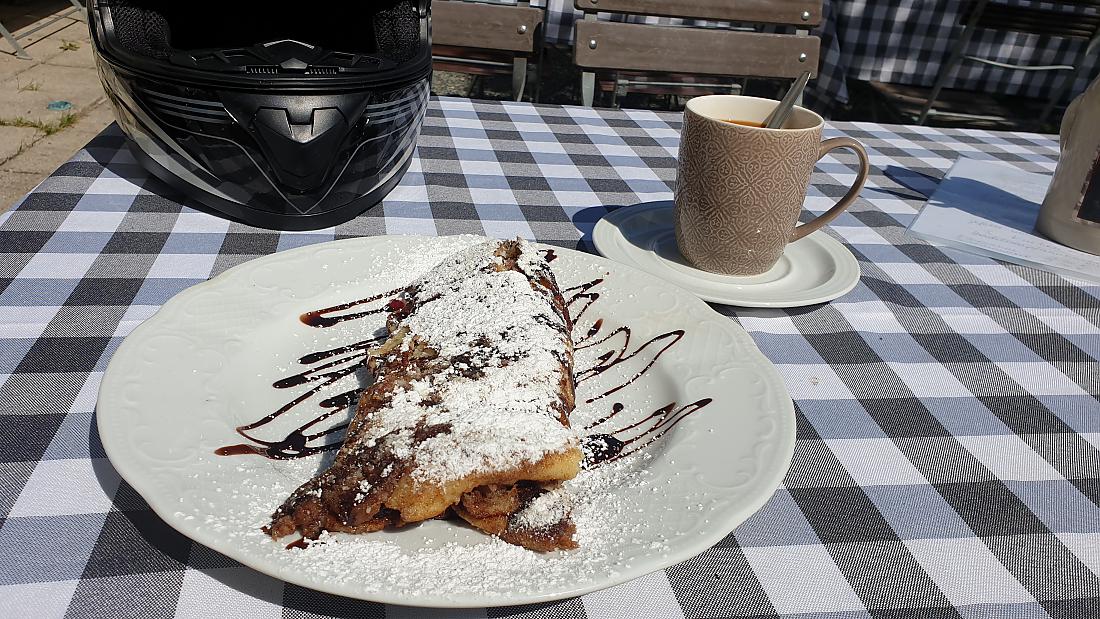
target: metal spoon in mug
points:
(782, 112)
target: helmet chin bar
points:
(302, 136)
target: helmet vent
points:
(141, 31)
(397, 31)
(262, 70)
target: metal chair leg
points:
(588, 88)
(945, 72)
(953, 59)
(539, 73)
(519, 77)
(19, 51)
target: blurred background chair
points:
(620, 57)
(1047, 18)
(486, 38)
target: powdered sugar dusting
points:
(545, 510)
(450, 561)
(506, 414)
(440, 561)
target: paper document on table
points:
(990, 208)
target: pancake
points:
(468, 413)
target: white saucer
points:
(814, 269)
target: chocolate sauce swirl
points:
(345, 361)
(622, 354)
(599, 448)
(322, 318)
(327, 367)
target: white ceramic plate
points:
(814, 269)
(207, 361)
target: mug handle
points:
(843, 203)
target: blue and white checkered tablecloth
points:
(947, 459)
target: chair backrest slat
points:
(485, 26)
(1038, 20)
(793, 12)
(695, 49)
(639, 47)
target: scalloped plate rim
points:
(759, 491)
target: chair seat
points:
(1054, 18)
(682, 84)
(905, 102)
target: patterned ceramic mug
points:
(740, 188)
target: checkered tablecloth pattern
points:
(948, 421)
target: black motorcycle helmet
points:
(288, 119)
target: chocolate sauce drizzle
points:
(345, 361)
(327, 367)
(599, 448)
(321, 318)
(622, 354)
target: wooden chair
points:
(677, 51)
(479, 38)
(1046, 18)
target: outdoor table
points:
(948, 425)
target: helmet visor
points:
(252, 37)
